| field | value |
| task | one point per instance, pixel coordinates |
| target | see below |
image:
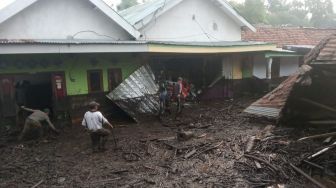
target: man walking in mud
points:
(94, 121)
(34, 121)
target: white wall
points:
(58, 19)
(227, 67)
(288, 65)
(177, 24)
(259, 66)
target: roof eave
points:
(235, 16)
(116, 17)
(14, 8)
(19, 5)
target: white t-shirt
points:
(94, 120)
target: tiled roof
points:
(287, 35)
(325, 51)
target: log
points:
(167, 138)
(105, 181)
(327, 140)
(307, 176)
(250, 144)
(261, 160)
(323, 122)
(317, 104)
(38, 184)
(119, 171)
(258, 164)
(318, 136)
(314, 164)
(322, 151)
(190, 154)
(208, 149)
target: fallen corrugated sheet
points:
(272, 104)
(137, 95)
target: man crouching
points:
(94, 120)
(34, 120)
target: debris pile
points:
(279, 158)
(210, 145)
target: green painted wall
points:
(74, 66)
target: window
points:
(114, 78)
(95, 80)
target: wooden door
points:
(114, 78)
(7, 96)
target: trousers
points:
(99, 138)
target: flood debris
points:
(151, 155)
(308, 95)
(137, 94)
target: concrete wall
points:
(75, 67)
(193, 20)
(58, 19)
(288, 65)
(259, 66)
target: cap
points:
(93, 104)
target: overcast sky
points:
(4, 3)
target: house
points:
(65, 51)
(307, 96)
(293, 43)
(194, 30)
(61, 54)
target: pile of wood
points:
(275, 158)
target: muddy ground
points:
(149, 155)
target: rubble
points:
(150, 155)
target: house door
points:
(59, 92)
(114, 78)
(7, 96)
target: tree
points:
(126, 4)
(317, 13)
(253, 10)
(281, 12)
(322, 13)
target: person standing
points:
(34, 121)
(94, 121)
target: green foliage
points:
(253, 10)
(126, 4)
(317, 13)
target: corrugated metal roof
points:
(100, 41)
(273, 103)
(138, 94)
(137, 13)
(263, 111)
(66, 41)
(209, 44)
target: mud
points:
(148, 154)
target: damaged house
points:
(293, 44)
(60, 54)
(306, 96)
